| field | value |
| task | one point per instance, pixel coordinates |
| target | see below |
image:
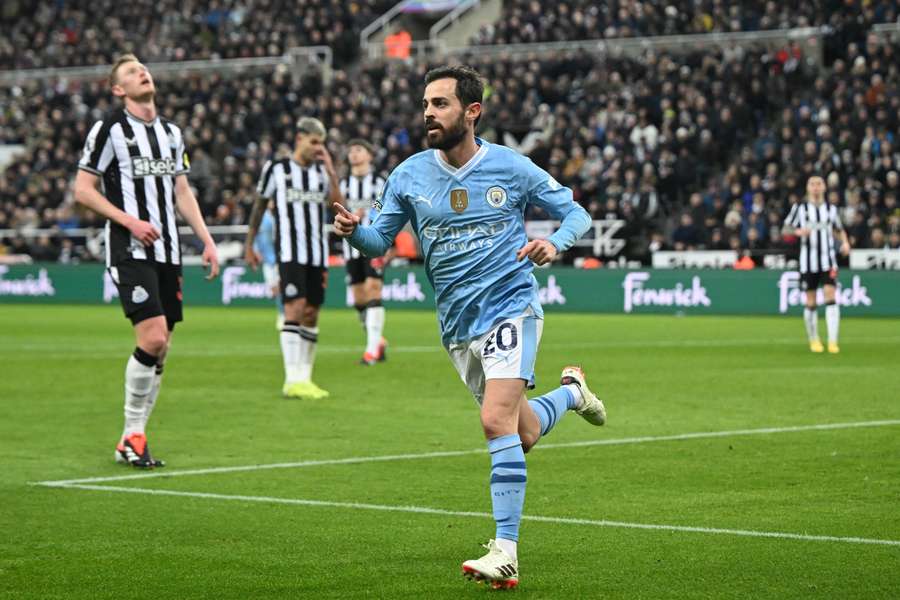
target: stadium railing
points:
(600, 239)
(808, 38)
(297, 59)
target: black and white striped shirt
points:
(300, 195)
(138, 162)
(360, 193)
(816, 250)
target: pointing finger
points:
(339, 209)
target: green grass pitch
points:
(294, 532)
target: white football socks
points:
(374, 328)
(309, 337)
(290, 351)
(832, 322)
(811, 319)
(508, 546)
(154, 394)
(138, 386)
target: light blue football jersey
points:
(264, 243)
(471, 223)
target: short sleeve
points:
(182, 161)
(793, 218)
(98, 150)
(266, 185)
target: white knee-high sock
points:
(290, 351)
(309, 337)
(139, 373)
(832, 322)
(811, 318)
(374, 327)
(154, 393)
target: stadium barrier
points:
(693, 292)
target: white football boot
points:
(590, 407)
(497, 568)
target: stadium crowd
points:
(65, 34)
(529, 21)
(705, 150)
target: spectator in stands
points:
(687, 235)
(595, 133)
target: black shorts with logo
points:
(362, 268)
(149, 289)
(813, 281)
(303, 281)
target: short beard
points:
(450, 138)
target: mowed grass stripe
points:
(481, 515)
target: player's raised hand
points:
(539, 251)
(211, 261)
(325, 156)
(143, 231)
(345, 222)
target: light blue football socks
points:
(551, 407)
(508, 480)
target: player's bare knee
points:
(310, 315)
(154, 341)
(494, 424)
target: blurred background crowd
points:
(703, 149)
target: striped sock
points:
(508, 479)
(551, 407)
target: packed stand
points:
(700, 151)
(530, 21)
(36, 35)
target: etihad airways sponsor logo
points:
(639, 293)
(790, 294)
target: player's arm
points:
(265, 189)
(792, 224)
(375, 239)
(256, 216)
(96, 157)
(87, 194)
(334, 184)
(557, 200)
(842, 235)
(190, 211)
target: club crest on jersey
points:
(459, 200)
(496, 196)
(290, 290)
(139, 295)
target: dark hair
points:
(363, 143)
(469, 85)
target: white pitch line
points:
(450, 453)
(480, 515)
